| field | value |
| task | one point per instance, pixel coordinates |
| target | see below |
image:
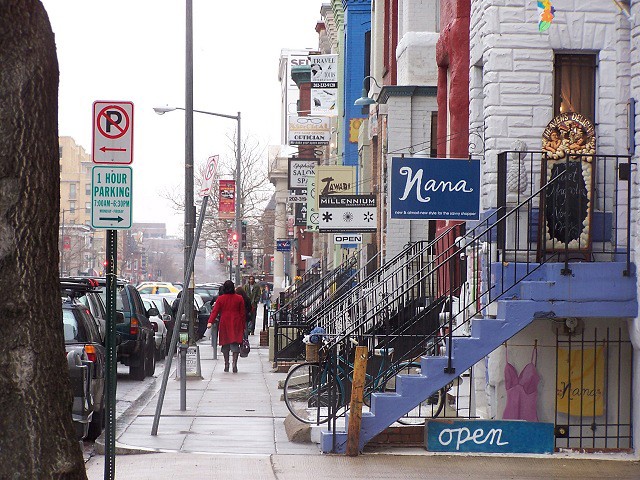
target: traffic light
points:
(244, 234)
(221, 258)
(234, 237)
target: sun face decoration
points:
(347, 217)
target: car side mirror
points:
(153, 312)
(119, 317)
(118, 339)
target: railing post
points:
(357, 396)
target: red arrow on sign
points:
(106, 149)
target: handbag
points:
(245, 347)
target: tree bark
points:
(37, 439)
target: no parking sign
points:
(112, 132)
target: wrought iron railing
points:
(403, 304)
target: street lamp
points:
(364, 99)
(238, 212)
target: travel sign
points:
(111, 189)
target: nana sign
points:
(435, 188)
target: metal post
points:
(189, 208)
(174, 337)
(110, 394)
(238, 199)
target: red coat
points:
(230, 306)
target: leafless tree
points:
(256, 191)
(37, 438)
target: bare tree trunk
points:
(37, 439)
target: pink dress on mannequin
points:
(522, 390)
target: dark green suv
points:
(137, 346)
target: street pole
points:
(189, 208)
(238, 211)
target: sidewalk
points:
(233, 428)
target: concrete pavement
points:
(233, 427)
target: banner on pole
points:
(226, 201)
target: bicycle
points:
(314, 392)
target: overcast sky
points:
(134, 50)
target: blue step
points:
(592, 290)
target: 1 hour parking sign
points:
(111, 189)
(112, 132)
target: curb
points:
(127, 417)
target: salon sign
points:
(435, 188)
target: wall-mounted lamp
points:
(364, 99)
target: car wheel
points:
(97, 425)
(150, 367)
(138, 372)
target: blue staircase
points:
(590, 290)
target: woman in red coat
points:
(230, 307)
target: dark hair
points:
(228, 287)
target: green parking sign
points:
(111, 192)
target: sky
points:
(134, 50)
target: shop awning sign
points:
(347, 213)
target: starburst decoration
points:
(368, 216)
(347, 216)
(326, 217)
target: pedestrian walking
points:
(254, 293)
(247, 306)
(231, 326)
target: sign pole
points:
(110, 400)
(176, 329)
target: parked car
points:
(137, 346)
(208, 291)
(157, 287)
(86, 291)
(166, 314)
(202, 310)
(86, 358)
(159, 328)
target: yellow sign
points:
(580, 381)
(335, 180)
(354, 128)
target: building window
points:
(59, 152)
(575, 84)
(72, 207)
(87, 207)
(87, 189)
(73, 191)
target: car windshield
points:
(74, 332)
(119, 304)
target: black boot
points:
(226, 361)
(235, 362)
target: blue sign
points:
(435, 188)
(283, 245)
(489, 436)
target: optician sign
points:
(309, 130)
(435, 188)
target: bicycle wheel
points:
(429, 408)
(309, 392)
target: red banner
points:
(227, 204)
